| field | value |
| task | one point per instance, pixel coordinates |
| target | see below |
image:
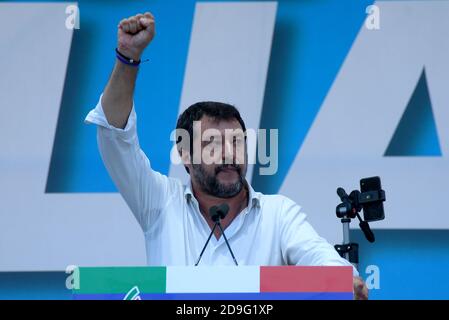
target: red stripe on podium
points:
(306, 279)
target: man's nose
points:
(228, 152)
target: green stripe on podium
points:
(121, 280)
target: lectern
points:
(213, 283)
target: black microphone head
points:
(214, 213)
(223, 210)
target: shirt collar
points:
(254, 197)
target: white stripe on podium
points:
(217, 279)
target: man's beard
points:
(211, 185)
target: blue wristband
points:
(124, 59)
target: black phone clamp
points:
(350, 208)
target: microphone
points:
(222, 211)
(216, 213)
(216, 218)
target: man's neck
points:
(236, 205)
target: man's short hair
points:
(215, 110)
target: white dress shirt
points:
(271, 230)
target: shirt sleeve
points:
(301, 245)
(143, 189)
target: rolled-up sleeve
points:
(143, 189)
(301, 245)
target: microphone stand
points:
(227, 243)
(205, 245)
(348, 250)
(217, 213)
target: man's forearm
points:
(117, 100)
(134, 35)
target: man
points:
(262, 229)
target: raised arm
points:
(134, 35)
(144, 189)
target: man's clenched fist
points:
(134, 34)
